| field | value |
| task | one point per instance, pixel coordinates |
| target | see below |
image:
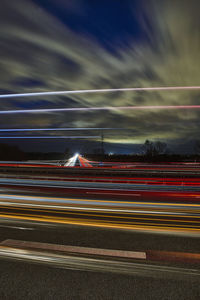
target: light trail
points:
(185, 191)
(56, 129)
(96, 201)
(135, 211)
(85, 250)
(103, 224)
(109, 108)
(45, 254)
(49, 137)
(68, 249)
(128, 213)
(164, 88)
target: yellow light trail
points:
(60, 219)
(105, 224)
(112, 216)
(94, 200)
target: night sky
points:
(53, 45)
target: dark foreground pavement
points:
(20, 280)
(27, 281)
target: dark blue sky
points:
(112, 23)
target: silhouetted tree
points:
(148, 148)
(151, 149)
(160, 148)
(66, 153)
(197, 147)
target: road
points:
(25, 280)
(123, 238)
(153, 204)
(137, 169)
(90, 184)
(137, 213)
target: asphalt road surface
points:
(44, 256)
(24, 280)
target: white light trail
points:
(164, 88)
(54, 129)
(49, 137)
(72, 161)
(109, 108)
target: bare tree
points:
(154, 148)
(197, 147)
(148, 148)
(160, 147)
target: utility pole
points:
(102, 144)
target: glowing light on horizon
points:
(164, 88)
(111, 108)
(72, 161)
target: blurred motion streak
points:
(151, 216)
(96, 260)
(89, 196)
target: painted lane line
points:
(73, 249)
(151, 255)
(96, 264)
